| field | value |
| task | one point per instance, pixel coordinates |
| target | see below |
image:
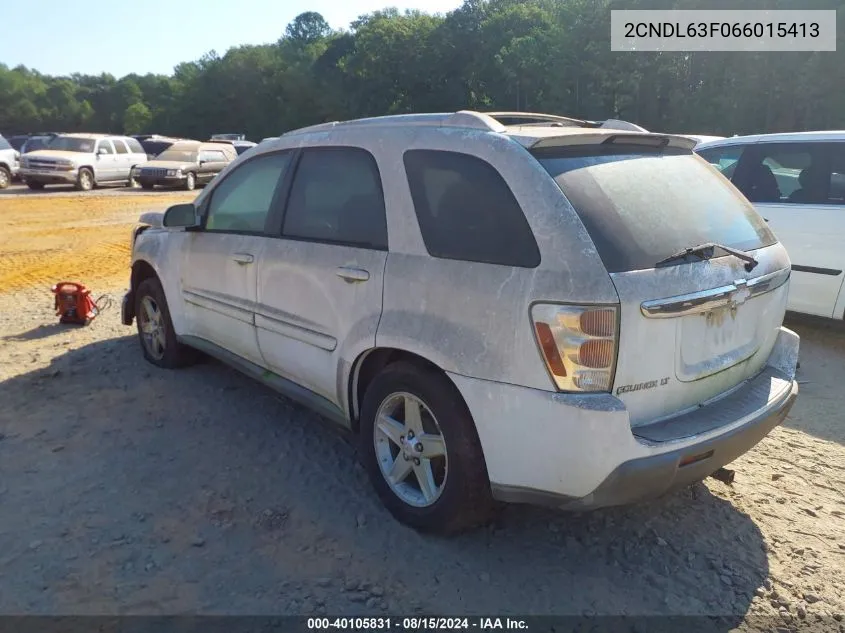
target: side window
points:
(212, 156)
(105, 144)
(466, 210)
(724, 159)
(837, 173)
(120, 146)
(337, 197)
(135, 146)
(242, 201)
(796, 173)
(4, 144)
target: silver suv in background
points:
(84, 160)
(556, 312)
(9, 157)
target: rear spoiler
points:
(622, 137)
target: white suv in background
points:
(797, 183)
(530, 313)
(9, 158)
(84, 160)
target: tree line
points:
(530, 55)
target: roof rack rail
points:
(462, 118)
(486, 121)
(538, 117)
(618, 124)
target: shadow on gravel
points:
(42, 331)
(139, 490)
(821, 377)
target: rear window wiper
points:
(706, 251)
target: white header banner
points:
(723, 30)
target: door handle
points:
(352, 274)
(766, 219)
(243, 258)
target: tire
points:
(147, 185)
(463, 498)
(85, 180)
(190, 181)
(35, 185)
(5, 177)
(159, 343)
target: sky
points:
(120, 37)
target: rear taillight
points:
(578, 344)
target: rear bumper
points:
(654, 476)
(580, 452)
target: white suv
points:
(84, 160)
(797, 183)
(527, 313)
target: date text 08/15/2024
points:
(415, 623)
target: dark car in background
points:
(18, 140)
(37, 141)
(228, 137)
(155, 144)
(185, 164)
(240, 146)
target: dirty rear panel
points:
(690, 328)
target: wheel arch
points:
(89, 168)
(369, 363)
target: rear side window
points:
(135, 146)
(466, 211)
(120, 146)
(793, 173)
(640, 205)
(337, 197)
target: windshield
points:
(178, 155)
(72, 144)
(641, 206)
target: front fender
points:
(160, 250)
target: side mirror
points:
(102, 151)
(180, 215)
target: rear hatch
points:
(691, 328)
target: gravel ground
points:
(129, 489)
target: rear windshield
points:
(641, 205)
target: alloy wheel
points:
(410, 449)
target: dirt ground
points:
(129, 489)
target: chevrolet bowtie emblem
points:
(738, 296)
